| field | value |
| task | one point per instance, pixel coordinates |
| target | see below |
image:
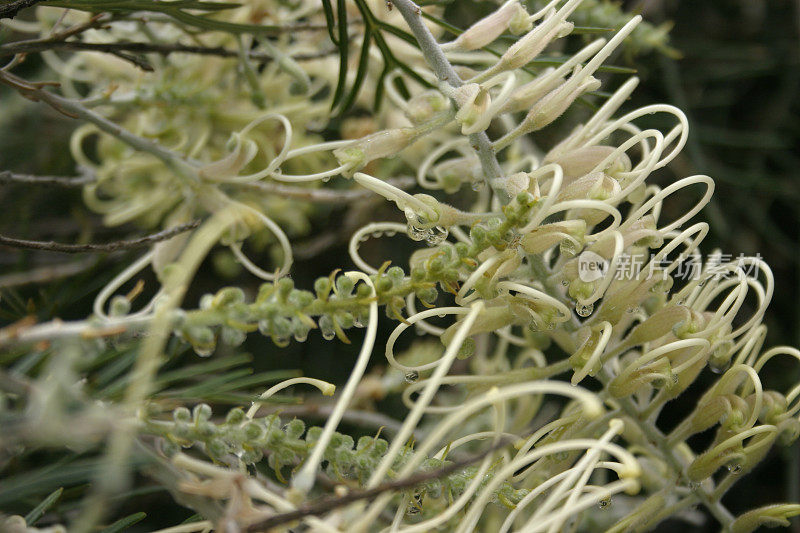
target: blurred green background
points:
(737, 78)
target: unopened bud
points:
(375, 146)
(553, 105)
(708, 413)
(531, 45)
(451, 174)
(473, 108)
(517, 183)
(658, 325)
(768, 516)
(544, 237)
(511, 15)
(709, 462)
(425, 106)
(579, 162)
(594, 186)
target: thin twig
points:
(7, 176)
(40, 45)
(329, 504)
(440, 65)
(105, 247)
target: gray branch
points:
(440, 65)
(7, 176)
(105, 247)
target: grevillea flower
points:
(565, 305)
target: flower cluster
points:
(501, 237)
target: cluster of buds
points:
(540, 301)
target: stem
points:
(440, 65)
(139, 242)
(58, 181)
(654, 435)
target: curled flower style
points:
(558, 316)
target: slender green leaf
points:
(327, 7)
(37, 512)
(397, 32)
(124, 523)
(361, 73)
(344, 52)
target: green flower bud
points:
(363, 291)
(383, 284)
(313, 434)
(227, 296)
(232, 337)
(322, 286)
(254, 431)
(169, 448)
(344, 285)
(217, 448)
(251, 456)
(345, 320)
(201, 412)
(235, 416)
(182, 414)
(120, 306)
(300, 299)
(295, 428)
(428, 295)
(284, 287)
(396, 274)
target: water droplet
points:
(565, 283)
(718, 366)
(413, 510)
(328, 335)
(390, 233)
(436, 236)
(377, 234)
(584, 310)
(418, 234)
(568, 248)
(281, 341)
(357, 322)
(734, 467)
(203, 351)
(604, 503)
(412, 376)
(301, 336)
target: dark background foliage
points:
(738, 80)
